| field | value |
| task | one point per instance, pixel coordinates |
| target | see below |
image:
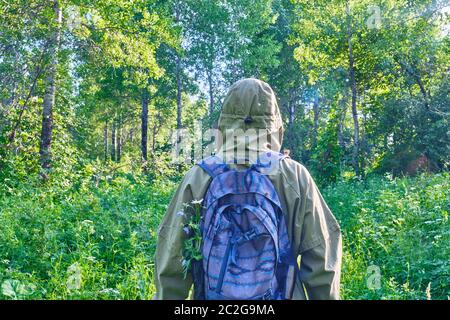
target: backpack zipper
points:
(224, 264)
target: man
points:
(312, 229)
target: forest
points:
(92, 91)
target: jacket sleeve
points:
(320, 246)
(169, 278)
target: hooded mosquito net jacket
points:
(313, 231)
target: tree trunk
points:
(341, 139)
(316, 123)
(423, 91)
(154, 133)
(342, 116)
(178, 71)
(211, 94)
(355, 156)
(417, 78)
(50, 90)
(119, 140)
(291, 120)
(179, 88)
(144, 126)
(364, 149)
(113, 140)
(38, 72)
(105, 139)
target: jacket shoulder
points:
(289, 165)
(295, 175)
(197, 174)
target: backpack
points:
(245, 246)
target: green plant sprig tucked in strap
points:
(192, 216)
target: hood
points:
(250, 120)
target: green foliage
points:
(400, 61)
(88, 230)
(399, 225)
(325, 160)
(192, 215)
(94, 240)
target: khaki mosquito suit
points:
(313, 230)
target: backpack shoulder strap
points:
(213, 165)
(268, 160)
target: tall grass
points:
(90, 240)
(91, 243)
(396, 237)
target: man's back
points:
(312, 229)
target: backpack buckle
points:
(249, 234)
(267, 295)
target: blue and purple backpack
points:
(245, 246)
